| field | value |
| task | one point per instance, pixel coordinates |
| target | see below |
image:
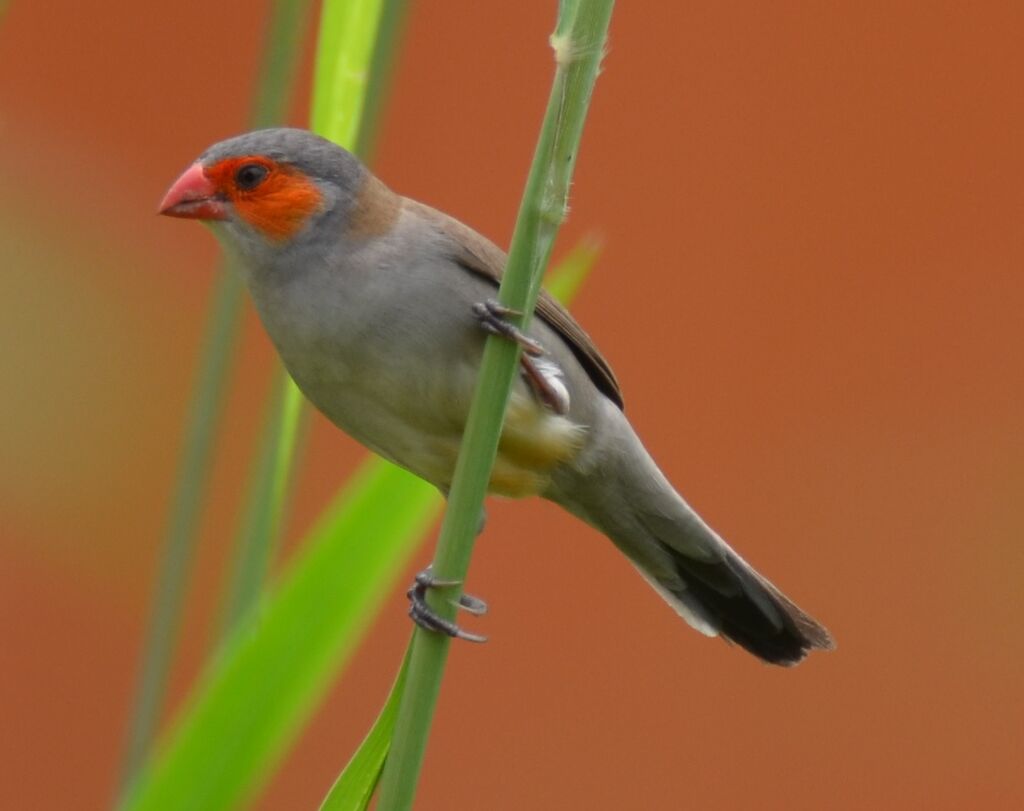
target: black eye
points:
(250, 175)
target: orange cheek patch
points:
(279, 206)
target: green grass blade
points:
(271, 673)
(354, 788)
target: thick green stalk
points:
(578, 43)
(270, 104)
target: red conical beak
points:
(193, 196)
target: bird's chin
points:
(247, 248)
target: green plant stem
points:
(206, 405)
(578, 43)
(280, 62)
(266, 500)
(382, 66)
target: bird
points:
(379, 307)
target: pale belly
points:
(415, 417)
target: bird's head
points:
(267, 190)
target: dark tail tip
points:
(750, 611)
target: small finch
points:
(379, 307)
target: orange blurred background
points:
(811, 292)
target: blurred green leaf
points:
(567, 277)
(254, 698)
(348, 36)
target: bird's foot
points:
(425, 617)
(493, 317)
(542, 378)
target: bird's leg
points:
(425, 617)
(493, 317)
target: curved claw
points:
(472, 605)
(427, 580)
(425, 617)
(428, 620)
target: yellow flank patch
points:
(533, 442)
(515, 482)
(535, 438)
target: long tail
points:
(622, 493)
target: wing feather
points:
(480, 256)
